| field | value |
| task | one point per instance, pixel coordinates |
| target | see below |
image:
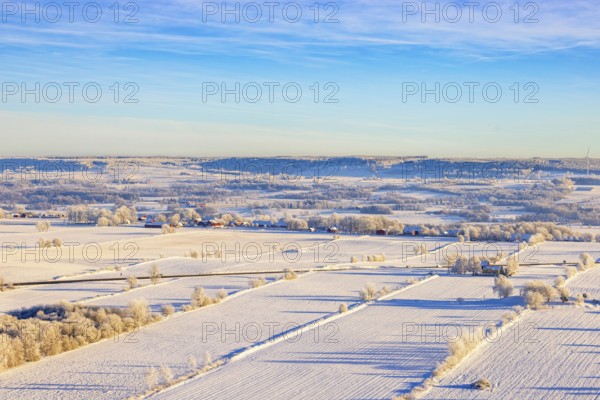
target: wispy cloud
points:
(182, 27)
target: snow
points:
(370, 352)
(115, 369)
(556, 357)
(374, 354)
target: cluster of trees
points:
(480, 213)
(33, 333)
(539, 232)
(538, 293)
(376, 209)
(50, 194)
(303, 204)
(566, 212)
(82, 214)
(319, 192)
(200, 298)
(177, 215)
(43, 243)
(356, 224)
(532, 232)
(296, 224)
(465, 265)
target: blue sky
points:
(367, 60)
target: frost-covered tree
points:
(43, 226)
(587, 260)
(503, 287)
(461, 265)
(512, 266)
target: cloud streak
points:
(374, 25)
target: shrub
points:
(43, 226)
(481, 384)
(192, 363)
(103, 221)
(166, 228)
(1, 284)
(354, 259)
(548, 292)
(503, 287)
(139, 311)
(518, 309)
(132, 281)
(290, 274)
(368, 292)
(194, 254)
(256, 283)
(167, 310)
(222, 294)
(343, 308)
(56, 242)
(563, 293)
(384, 290)
(151, 378)
(43, 243)
(580, 300)
(166, 374)
(560, 281)
(458, 350)
(509, 316)
(534, 300)
(207, 360)
(187, 307)
(587, 260)
(154, 274)
(374, 258)
(200, 299)
(571, 272)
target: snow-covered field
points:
(114, 369)
(287, 339)
(377, 352)
(555, 357)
